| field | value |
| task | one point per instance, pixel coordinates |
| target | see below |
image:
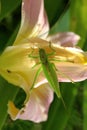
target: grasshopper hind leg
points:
(35, 78)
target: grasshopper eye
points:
(8, 71)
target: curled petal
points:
(36, 109)
(66, 39)
(34, 21)
(69, 72)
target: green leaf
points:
(85, 106)
(21, 125)
(63, 24)
(8, 6)
(79, 25)
(7, 92)
(55, 9)
(79, 19)
(0, 7)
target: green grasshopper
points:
(49, 71)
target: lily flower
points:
(19, 67)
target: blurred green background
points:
(63, 15)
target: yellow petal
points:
(16, 66)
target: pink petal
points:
(71, 71)
(35, 15)
(37, 107)
(67, 39)
(34, 20)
